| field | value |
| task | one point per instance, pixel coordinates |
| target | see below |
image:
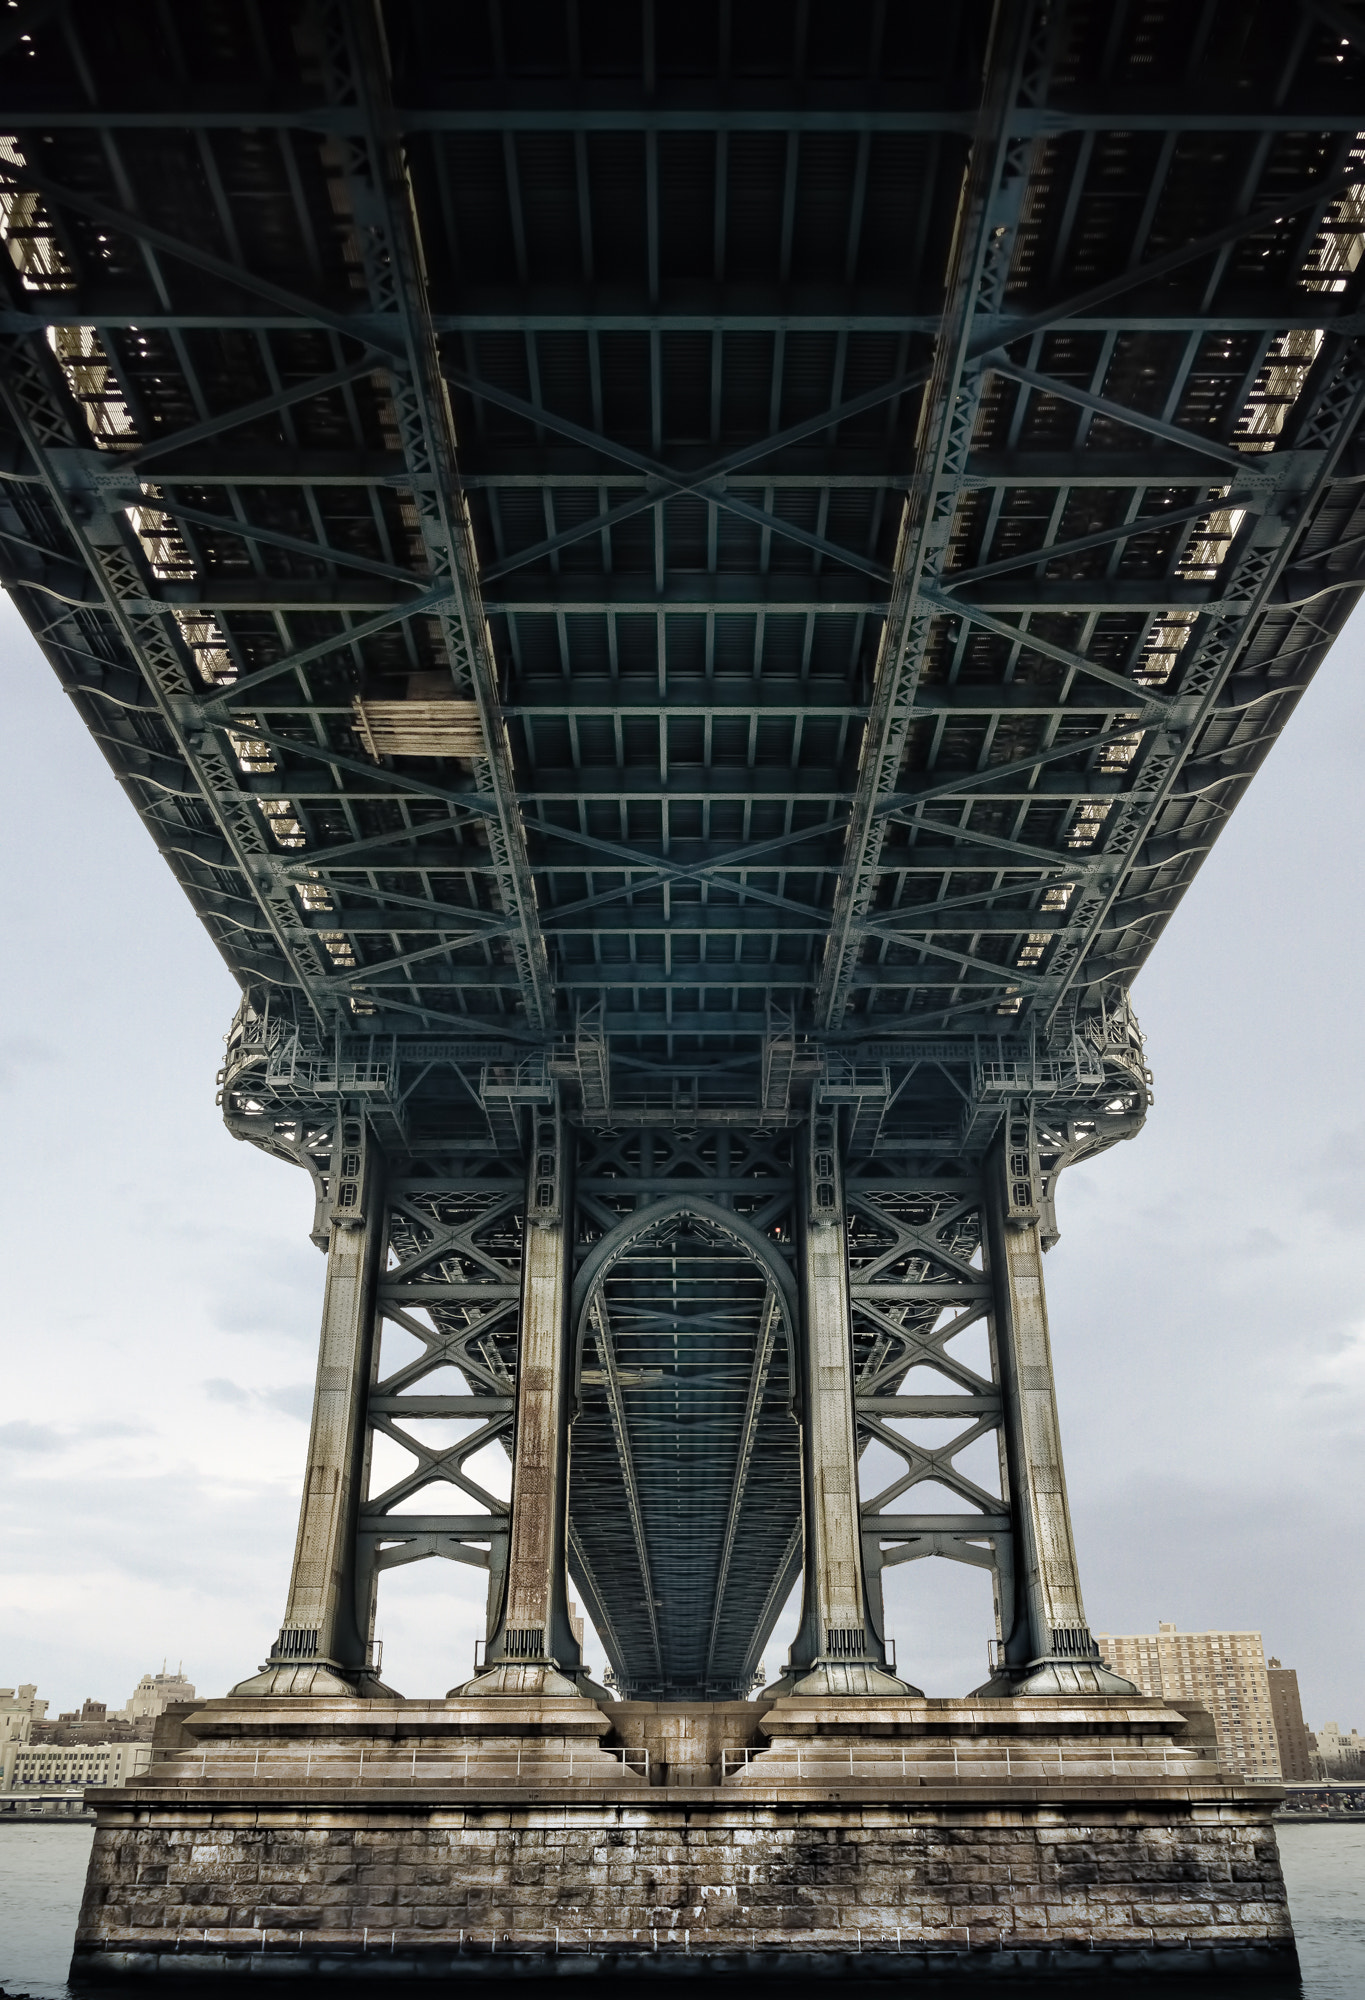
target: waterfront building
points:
(94, 1725)
(1224, 1671)
(58, 1766)
(1291, 1732)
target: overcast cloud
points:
(163, 1295)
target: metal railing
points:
(527, 1765)
(959, 1764)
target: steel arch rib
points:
(644, 1222)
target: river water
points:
(42, 1871)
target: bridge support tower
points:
(541, 1816)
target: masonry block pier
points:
(883, 1834)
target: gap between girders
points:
(998, 362)
(670, 483)
(995, 345)
(246, 413)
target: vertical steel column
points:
(324, 1642)
(532, 1646)
(836, 1650)
(1048, 1648)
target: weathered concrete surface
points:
(835, 1649)
(689, 1742)
(532, 1645)
(323, 1643)
(254, 1850)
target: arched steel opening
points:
(682, 1327)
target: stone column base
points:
(890, 1836)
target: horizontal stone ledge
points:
(308, 1717)
(987, 1718)
(1055, 1716)
(725, 1805)
(679, 1956)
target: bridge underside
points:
(685, 590)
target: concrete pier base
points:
(513, 1837)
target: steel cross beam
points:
(664, 483)
(611, 1375)
(1104, 406)
(250, 413)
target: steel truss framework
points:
(909, 471)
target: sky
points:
(162, 1296)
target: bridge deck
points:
(684, 282)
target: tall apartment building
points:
(1291, 1732)
(1225, 1672)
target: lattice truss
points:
(451, 1283)
(918, 1285)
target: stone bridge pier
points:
(316, 1821)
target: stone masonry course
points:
(670, 1876)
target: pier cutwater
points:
(684, 590)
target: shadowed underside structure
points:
(684, 589)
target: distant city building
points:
(92, 1723)
(155, 1692)
(1225, 1672)
(19, 1710)
(1291, 1732)
(56, 1766)
(1341, 1754)
(90, 1714)
(94, 1726)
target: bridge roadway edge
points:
(921, 1837)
